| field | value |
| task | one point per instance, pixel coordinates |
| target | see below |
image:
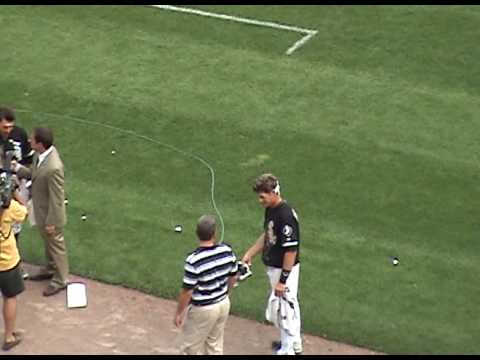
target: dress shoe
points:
(52, 290)
(41, 276)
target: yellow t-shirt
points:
(9, 256)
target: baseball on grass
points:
(84, 217)
(178, 228)
(113, 152)
(395, 261)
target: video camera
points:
(7, 188)
(8, 182)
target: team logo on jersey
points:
(271, 239)
(287, 230)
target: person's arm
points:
(254, 250)
(22, 172)
(232, 280)
(289, 241)
(288, 262)
(56, 200)
(190, 280)
(234, 274)
(183, 301)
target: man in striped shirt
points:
(210, 272)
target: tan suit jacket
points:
(48, 192)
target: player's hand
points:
(247, 259)
(280, 289)
(50, 229)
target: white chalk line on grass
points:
(308, 32)
(133, 133)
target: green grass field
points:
(372, 128)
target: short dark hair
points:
(7, 114)
(43, 135)
(265, 183)
(206, 227)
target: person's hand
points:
(247, 259)
(178, 320)
(50, 229)
(280, 289)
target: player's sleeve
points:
(288, 234)
(190, 276)
(27, 152)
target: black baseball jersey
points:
(19, 144)
(282, 234)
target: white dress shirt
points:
(42, 156)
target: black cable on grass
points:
(133, 133)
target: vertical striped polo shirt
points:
(207, 270)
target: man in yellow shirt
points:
(11, 281)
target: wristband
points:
(284, 276)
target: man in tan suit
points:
(48, 208)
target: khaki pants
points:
(56, 255)
(204, 328)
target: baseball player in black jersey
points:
(279, 244)
(15, 137)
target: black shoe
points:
(52, 290)
(41, 276)
(276, 345)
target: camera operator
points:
(14, 139)
(11, 281)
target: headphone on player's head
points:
(276, 190)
